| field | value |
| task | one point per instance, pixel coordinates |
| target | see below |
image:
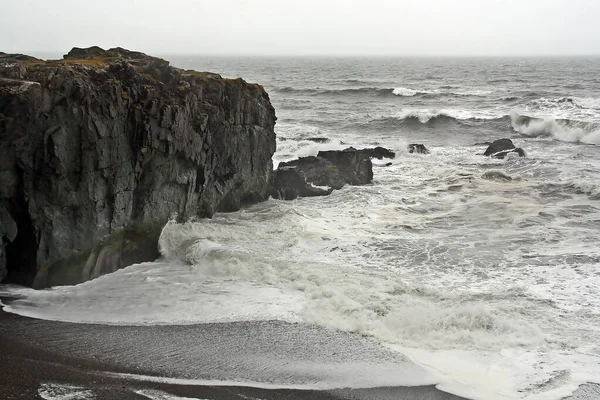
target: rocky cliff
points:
(99, 149)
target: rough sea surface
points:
(483, 272)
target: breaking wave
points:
(374, 91)
(430, 117)
(565, 130)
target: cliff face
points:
(98, 150)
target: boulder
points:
(290, 183)
(503, 154)
(374, 152)
(100, 149)
(498, 146)
(418, 148)
(319, 176)
(317, 170)
(355, 167)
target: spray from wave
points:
(559, 129)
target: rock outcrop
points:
(99, 149)
(355, 167)
(501, 147)
(318, 176)
(501, 155)
(375, 152)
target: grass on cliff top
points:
(95, 62)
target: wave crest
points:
(560, 129)
(375, 91)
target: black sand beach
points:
(35, 352)
(107, 359)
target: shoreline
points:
(27, 362)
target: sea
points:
(477, 275)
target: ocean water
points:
(485, 273)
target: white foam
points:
(551, 127)
(164, 294)
(343, 376)
(405, 92)
(478, 280)
(55, 391)
(425, 115)
(570, 108)
(158, 395)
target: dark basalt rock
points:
(331, 169)
(355, 167)
(374, 152)
(100, 149)
(417, 148)
(97, 52)
(290, 183)
(499, 145)
(317, 171)
(503, 154)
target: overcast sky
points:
(305, 27)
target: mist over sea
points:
(478, 275)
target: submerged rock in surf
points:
(495, 175)
(418, 148)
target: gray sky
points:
(305, 27)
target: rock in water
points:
(317, 171)
(290, 183)
(499, 145)
(355, 168)
(516, 150)
(98, 150)
(418, 148)
(318, 176)
(375, 152)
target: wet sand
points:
(36, 352)
(114, 362)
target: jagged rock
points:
(355, 167)
(503, 154)
(499, 145)
(418, 148)
(117, 52)
(319, 176)
(374, 152)
(317, 170)
(99, 149)
(290, 183)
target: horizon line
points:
(324, 55)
